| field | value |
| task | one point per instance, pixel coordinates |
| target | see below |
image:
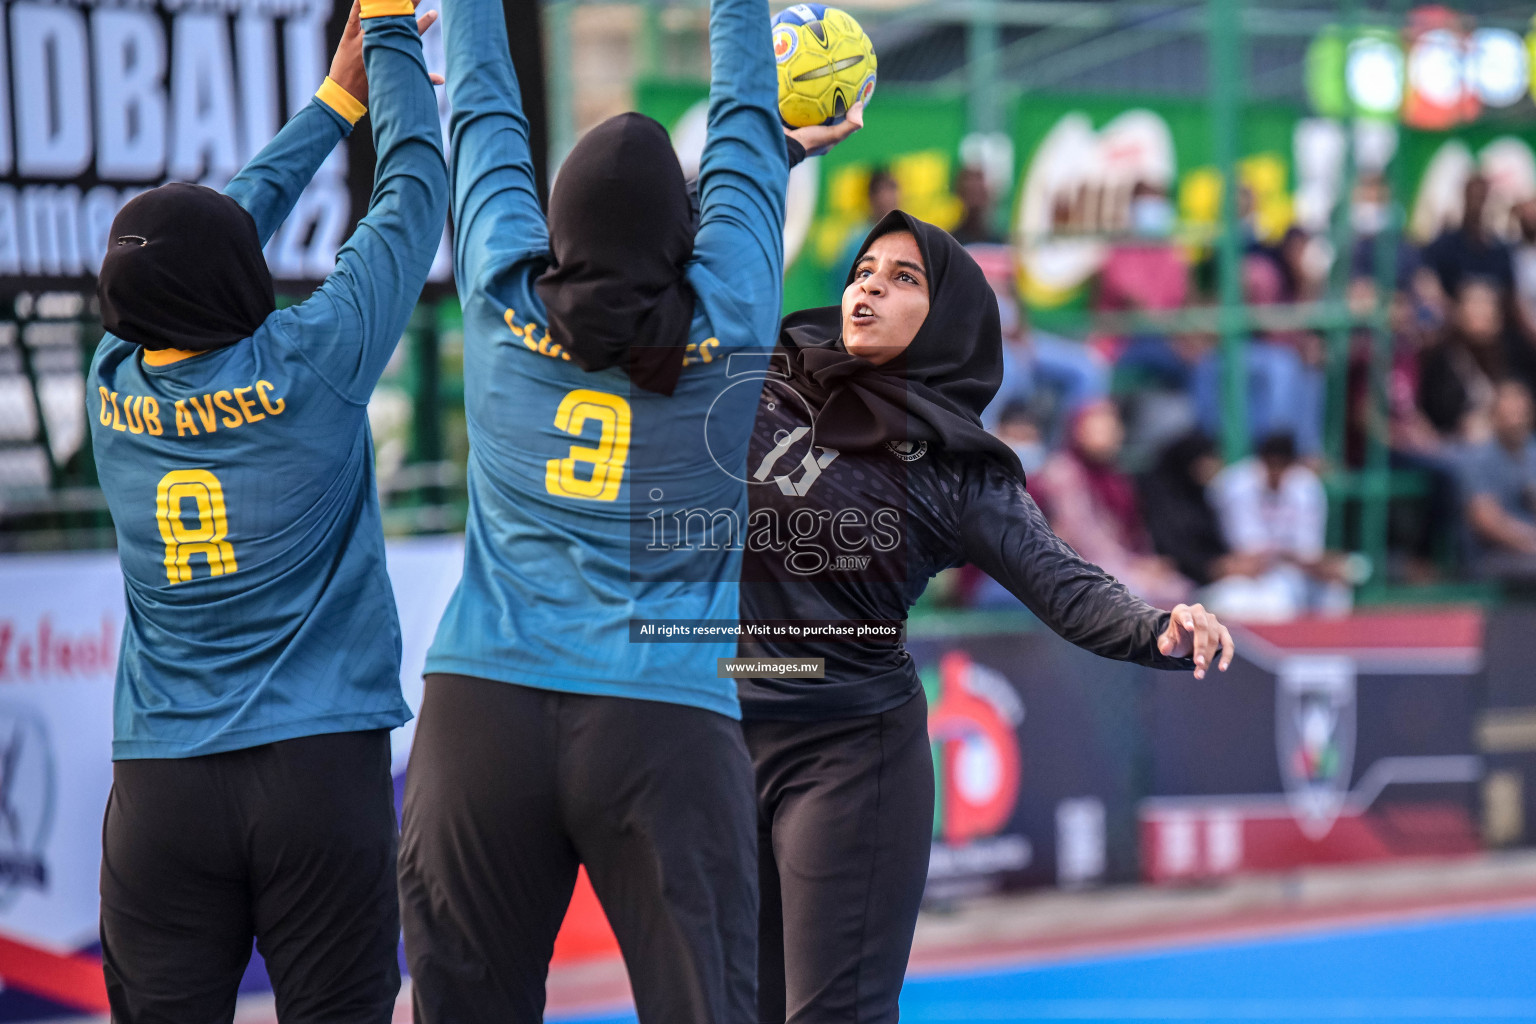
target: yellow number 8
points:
(204, 489)
(606, 460)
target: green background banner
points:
(919, 136)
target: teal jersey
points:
(241, 480)
(570, 471)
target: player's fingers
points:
(1168, 643)
(1182, 621)
(838, 132)
(1202, 640)
(855, 119)
(425, 22)
(1228, 651)
(437, 79)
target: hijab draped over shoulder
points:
(933, 392)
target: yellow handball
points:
(826, 64)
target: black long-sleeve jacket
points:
(856, 536)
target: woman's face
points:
(1478, 314)
(1099, 434)
(888, 299)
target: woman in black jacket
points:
(871, 472)
(1184, 526)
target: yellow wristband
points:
(385, 8)
(338, 99)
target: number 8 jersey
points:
(241, 480)
(595, 507)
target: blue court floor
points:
(1455, 968)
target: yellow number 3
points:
(606, 460)
(207, 539)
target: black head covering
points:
(621, 229)
(935, 390)
(184, 270)
(1179, 517)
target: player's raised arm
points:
(351, 325)
(744, 172)
(496, 212)
(270, 185)
(1004, 533)
(272, 182)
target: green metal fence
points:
(1007, 51)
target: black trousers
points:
(844, 827)
(291, 843)
(510, 788)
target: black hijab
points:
(184, 270)
(1179, 516)
(621, 229)
(935, 390)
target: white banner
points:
(61, 621)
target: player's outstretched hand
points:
(821, 137)
(1193, 630)
(347, 68)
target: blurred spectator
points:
(1146, 272)
(1370, 212)
(1457, 373)
(1407, 427)
(1092, 506)
(1273, 509)
(1015, 424)
(1286, 387)
(976, 222)
(1052, 377)
(1019, 428)
(1371, 216)
(1471, 251)
(1429, 528)
(884, 195)
(1500, 484)
(1413, 282)
(1523, 261)
(1183, 524)
(1302, 270)
(1247, 219)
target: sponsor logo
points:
(908, 451)
(785, 42)
(1077, 191)
(78, 159)
(867, 90)
(1507, 162)
(972, 726)
(27, 797)
(1315, 738)
(42, 653)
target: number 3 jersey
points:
(569, 470)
